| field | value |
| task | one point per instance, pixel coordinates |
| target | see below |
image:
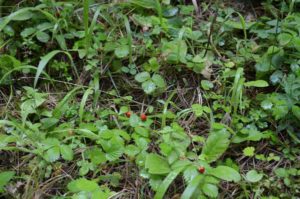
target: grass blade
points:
(21, 68)
(193, 185)
(57, 111)
(83, 102)
(44, 61)
(166, 183)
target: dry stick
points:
(196, 7)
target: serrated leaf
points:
(97, 156)
(159, 81)
(226, 173)
(215, 145)
(66, 152)
(156, 164)
(197, 109)
(249, 151)
(210, 190)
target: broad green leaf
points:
(49, 122)
(197, 109)
(215, 145)
(296, 111)
(142, 77)
(159, 81)
(82, 184)
(27, 32)
(257, 83)
(206, 85)
(210, 190)
(52, 154)
(5, 177)
(249, 151)
(66, 152)
(122, 51)
(97, 156)
(131, 150)
(134, 120)
(253, 176)
(148, 86)
(226, 173)
(266, 104)
(42, 36)
(156, 164)
(284, 38)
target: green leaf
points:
(49, 122)
(52, 154)
(142, 77)
(192, 186)
(97, 156)
(149, 4)
(5, 177)
(166, 183)
(44, 61)
(131, 150)
(266, 104)
(27, 32)
(42, 36)
(159, 81)
(156, 164)
(296, 111)
(207, 85)
(198, 109)
(142, 131)
(66, 152)
(134, 120)
(249, 151)
(122, 51)
(215, 145)
(284, 38)
(149, 87)
(57, 112)
(226, 173)
(210, 190)
(253, 176)
(83, 102)
(82, 184)
(257, 83)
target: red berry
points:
(128, 114)
(201, 169)
(143, 117)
